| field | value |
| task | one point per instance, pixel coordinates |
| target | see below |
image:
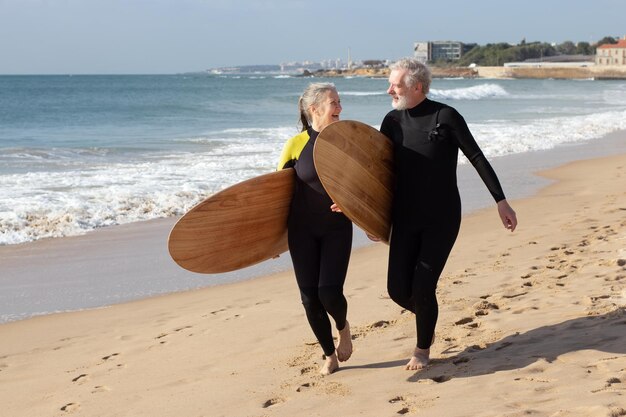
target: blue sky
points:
(171, 36)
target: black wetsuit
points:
(427, 206)
(320, 241)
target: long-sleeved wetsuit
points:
(427, 207)
(320, 241)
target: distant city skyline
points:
(174, 36)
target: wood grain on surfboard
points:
(240, 226)
(355, 164)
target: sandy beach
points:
(531, 323)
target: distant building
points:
(421, 51)
(440, 50)
(612, 54)
(373, 63)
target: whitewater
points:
(86, 152)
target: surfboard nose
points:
(354, 162)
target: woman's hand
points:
(335, 208)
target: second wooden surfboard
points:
(237, 227)
(355, 164)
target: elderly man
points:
(427, 136)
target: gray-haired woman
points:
(319, 235)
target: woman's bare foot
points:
(330, 366)
(344, 347)
(419, 360)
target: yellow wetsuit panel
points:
(292, 149)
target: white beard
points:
(399, 104)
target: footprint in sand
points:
(305, 386)
(273, 401)
(358, 332)
(524, 309)
(612, 381)
(180, 329)
(461, 360)
(441, 378)
(609, 386)
(177, 330)
(335, 388)
(483, 307)
(504, 345)
(396, 399)
(106, 358)
(476, 348)
(469, 321)
(514, 294)
(307, 370)
(463, 321)
(82, 378)
(399, 399)
(70, 407)
(381, 324)
(218, 311)
(100, 388)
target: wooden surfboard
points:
(355, 164)
(240, 226)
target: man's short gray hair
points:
(416, 73)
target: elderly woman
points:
(319, 235)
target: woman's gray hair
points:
(313, 95)
(416, 73)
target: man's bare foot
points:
(419, 360)
(330, 366)
(344, 347)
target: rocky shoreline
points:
(542, 72)
(437, 72)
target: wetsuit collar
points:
(420, 108)
(312, 133)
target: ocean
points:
(80, 153)
(83, 152)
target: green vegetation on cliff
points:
(496, 54)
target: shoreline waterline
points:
(130, 262)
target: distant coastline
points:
(539, 71)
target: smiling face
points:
(402, 95)
(326, 111)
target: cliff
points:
(556, 72)
(553, 71)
